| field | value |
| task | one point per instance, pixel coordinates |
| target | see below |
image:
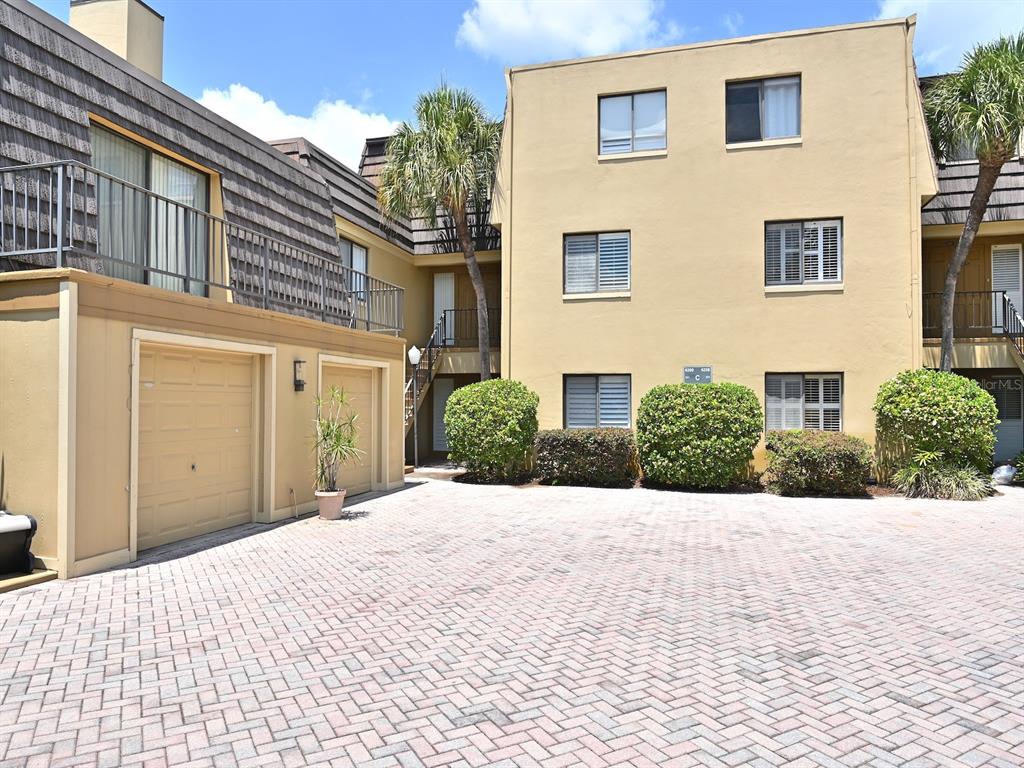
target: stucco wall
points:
(28, 419)
(697, 213)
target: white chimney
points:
(129, 28)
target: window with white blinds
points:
(798, 252)
(597, 262)
(804, 401)
(597, 401)
(632, 122)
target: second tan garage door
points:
(356, 476)
(195, 443)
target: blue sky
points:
(337, 71)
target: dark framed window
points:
(355, 257)
(804, 401)
(756, 110)
(797, 252)
(632, 122)
(596, 262)
(597, 400)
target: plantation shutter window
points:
(597, 401)
(599, 262)
(1006, 277)
(632, 122)
(803, 252)
(783, 402)
(804, 401)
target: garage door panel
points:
(356, 475)
(197, 411)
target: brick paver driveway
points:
(452, 624)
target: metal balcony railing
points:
(459, 327)
(68, 214)
(976, 314)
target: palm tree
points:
(445, 165)
(980, 106)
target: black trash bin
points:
(16, 532)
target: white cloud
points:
(946, 29)
(732, 23)
(335, 126)
(528, 31)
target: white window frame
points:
(632, 122)
(819, 407)
(595, 287)
(597, 379)
(806, 226)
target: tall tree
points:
(445, 165)
(980, 107)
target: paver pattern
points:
(458, 625)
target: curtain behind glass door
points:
(121, 210)
(179, 237)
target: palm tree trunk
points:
(987, 176)
(483, 332)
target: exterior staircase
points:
(1013, 330)
(423, 374)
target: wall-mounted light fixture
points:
(300, 375)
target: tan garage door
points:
(195, 443)
(356, 475)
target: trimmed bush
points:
(490, 427)
(697, 435)
(602, 458)
(811, 463)
(930, 475)
(934, 411)
(1018, 461)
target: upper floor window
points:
(597, 401)
(756, 110)
(596, 262)
(632, 122)
(354, 256)
(804, 401)
(798, 252)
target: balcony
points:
(976, 315)
(459, 327)
(68, 214)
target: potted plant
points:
(336, 436)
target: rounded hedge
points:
(927, 410)
(490, 427)
(697, 435)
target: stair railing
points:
(424, 371)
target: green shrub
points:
(811, 463)
(930, 475)
(490, 427)
(697, 435)
(602, 458)
(927, 410)
(1018, 461)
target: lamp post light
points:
(414, 361)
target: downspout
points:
(507, 231)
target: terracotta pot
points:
(330, 504)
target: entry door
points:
(1006, 276)
(444, 299)
(442, 390)
(1009, 394)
